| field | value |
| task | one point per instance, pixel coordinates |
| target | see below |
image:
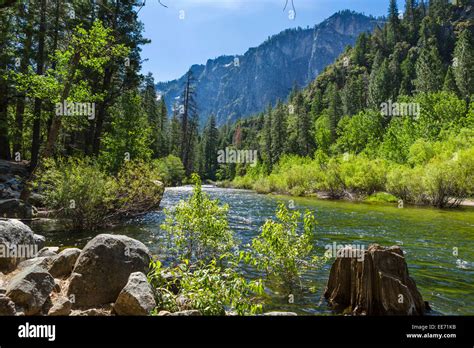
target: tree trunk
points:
(35, 146)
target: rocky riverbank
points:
(108, 277)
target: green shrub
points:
(362, 175)
(281, 251)
(78, 191)
(198, 227)
(209, 288)
(382, 197)
(171, 170)
(81, 192)
(138, 189)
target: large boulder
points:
(103, 268)
(30, 289)
(17, 243)
(64, 262)
(16, 208)
(377, 284)
(136, 298)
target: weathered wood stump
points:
(378, 284)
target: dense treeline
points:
(401, 95)
(397, 104)
(85, 57)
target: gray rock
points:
(17, 243)
(136, 298)
(280, 314)
(44, 262)
(39, 241)
(30, 289)
(7, 306)
(36, 199)
(188, 313)
(103, 268)
(48, 252)
(16, 208)
(61, 307)
(64, 262)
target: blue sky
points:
(211, 28)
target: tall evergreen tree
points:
(267, 136)
(379, 82)
(429, 69)
(449, 84)
(463, 66)
(210, 148)
(393, 25)
(189, 122)
(334, 109)
(278, 132)
(303, 127)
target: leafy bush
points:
(171, 170)
(81, 192)
(362, 175)
(138, 189)
(77, 190)
(382, 197)
(198, 227)
(209, 288)
(281, 251)
(359, 131)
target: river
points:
(438, 244)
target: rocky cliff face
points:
(232, 87)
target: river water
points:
(438, 244)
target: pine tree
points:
(449, 84)
(152, 111)
(393, 26)
(278, 132)
(334, 109)
(411, 21)
(267, 137)
(164, 127)
(429, 69)
(354, 95)
(189, 122)
(175, 134)
(210, 144)
(303, 127)
(408, 71)
(360, 50)
(463, 65)
(379, 82)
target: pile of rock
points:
(12, 175)
(107, 277)
(377, 284)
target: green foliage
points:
(281, 251)
(77, 190)
(381, 197)
(171, 170)
(129, 137)
(138, 189)
(199, 227)
(209, 288)
(359, 132)
(81, 192)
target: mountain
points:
(232, 87)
